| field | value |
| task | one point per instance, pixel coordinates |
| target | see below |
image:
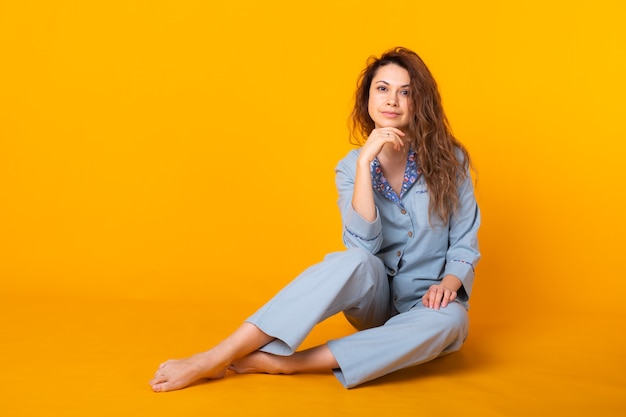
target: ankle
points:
(211, 359)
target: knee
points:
(359, 264)
(455, 324)
(366, 264)
(362, 258)
(446, 325)
(454, 316)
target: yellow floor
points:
(84, 356)
(152, 148)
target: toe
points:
(158, 378)
(159, 384)
(166, 386)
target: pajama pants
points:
(355, 282)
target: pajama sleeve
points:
(463, 254)
(357, 232)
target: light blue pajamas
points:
(379, 281)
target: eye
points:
(405, 92)
(381, 88)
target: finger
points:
(434, 296)
(398, 143)
(388, 135)
(392, 137)
(391, 133)
(438, 297)
(450, 298)
(378, 138)
(396, 131)
(432, 299)
(445, 299)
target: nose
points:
(392, 100)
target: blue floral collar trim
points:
(379, 182)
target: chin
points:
(391, 124)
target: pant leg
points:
(354, 281)
(407, 339)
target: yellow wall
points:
(179, 148)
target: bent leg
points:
(353, 280)
(407, 339)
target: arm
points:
(363, 193)
(357, 231)
(462, 255)
(362, 226)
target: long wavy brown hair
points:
(428, 130)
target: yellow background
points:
(166, 166)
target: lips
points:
(390, 114)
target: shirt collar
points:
(379, 182)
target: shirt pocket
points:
(420, 200)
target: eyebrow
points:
(386, 83)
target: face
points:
(389, 102)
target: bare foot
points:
(180, 373)
(261, 362)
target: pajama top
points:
(416, 251)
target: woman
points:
(410, 227)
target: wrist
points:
(451, 282)
(363, 162)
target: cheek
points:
(408, 104)
(371, 106)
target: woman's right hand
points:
(363, 193)
(377, 141)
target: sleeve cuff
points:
(463, 271)
(361, 228)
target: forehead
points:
(392, 74)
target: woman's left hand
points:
(438, 296)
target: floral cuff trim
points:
(464, 262)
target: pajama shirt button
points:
(410, 234)
(403, 211)
(398, 253)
